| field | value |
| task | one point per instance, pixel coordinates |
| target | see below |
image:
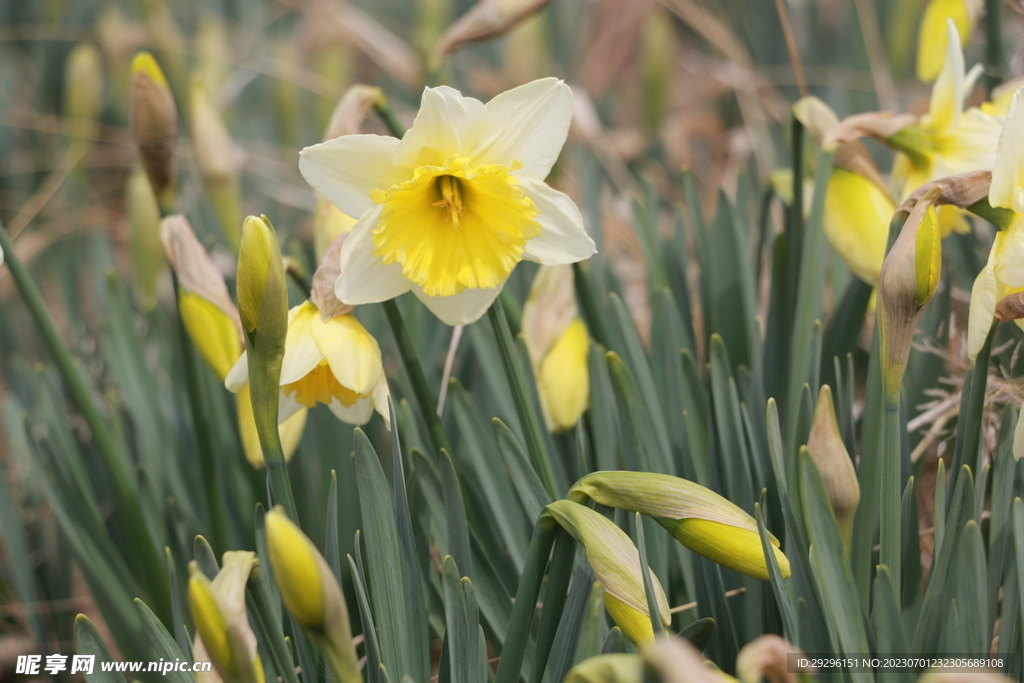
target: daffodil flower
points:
(335, 362)
(1004, 272)
(450, 209)
(949, 139)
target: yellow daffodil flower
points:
(450, 209)
(558, 342)
(335, 362)
(1004, 272)
(948, 140)
(933, 37)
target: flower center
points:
(455, 226)
(320, 385)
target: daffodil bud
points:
(767, 659)
(557, 342)
(834, 464)
(83, 91)
(153, 117)
(486, 19)
(933, 37)
(616, 564)
(143, 215)
(617, 667)
(222, 626)
(909, 278)
(697, 517)
(311, 593)
(260, 278)
(218, 159)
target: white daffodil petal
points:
(972, 148)
(301, 353)
(356, 414)
(447, 124)
(562, 238)
(238, 375)
(1008, 172)
(347, 169)
(351, 352)
(528, 124)
(947, 93)
(364, 279)
(286, 407)
(460, 309)
(380, 400)
(982, 308)
(1009, 263)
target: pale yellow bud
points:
(697, 517)
(222, 625)
(615, 667)
(154, 123)
(258, 255)
(564, 378)
(311, 593)
(83, 91)
(834, 464)
(616, 565)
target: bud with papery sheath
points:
(311, 593)
(697, 517)
(616, 564)
(153, 118)
(909, 278)
(834, 464)
(223, 633)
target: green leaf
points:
(782, 597)
(524, 479)
(555, 596)
(1000, 530)
(164, 646)
(455, 514)
(1018, 541)
(205, 558)
(830, 564)
(89, 642)
(887, 621)
(603, 416)
(699, 632)
(971, 594)
(697, 416)
(650, 456)
(462, 625)
(577, 623)
(370, 640)
(384, 561)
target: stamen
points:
(451, 198)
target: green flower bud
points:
(153, 118)
(834, 464)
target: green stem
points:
(521, 621)
(414, 371)
(890, 551)
(114, 458)
(539, 455)
(200, 418)
(277, 466)
(388, 117)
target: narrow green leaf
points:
(455, 515)
(370, 640)
(527, 484)
(204, 556)
(331, 553)
(88, 641)
(971, 574)
(460, 632)
(555, 596)
(615, 642)
(164, 646)
(782, 597)
(699, 632)
(886, 619)
(697, 415)
(577, 617)
(1018, 541)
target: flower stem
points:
(523, 401)
(993, 46)
(890, 551)
(388, 117)
(413, 369)
(142, 542)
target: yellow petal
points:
(351, 352)
(1008, 170)
(301, 353)
(983, 304)
(729, 546)
(634, 624)
(564, 379)
(857, 215)
(290, 430)
(933, 39)
(948, 92)
(214, 334)
(928, 257)
(209, 619)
